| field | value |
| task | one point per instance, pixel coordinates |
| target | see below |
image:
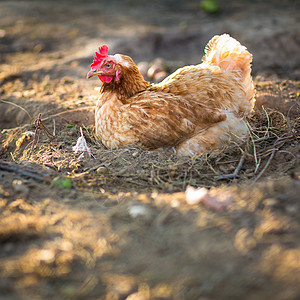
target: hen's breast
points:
(110, 128)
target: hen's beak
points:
(92, 73)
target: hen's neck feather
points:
(130, 83)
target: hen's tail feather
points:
(227, 53)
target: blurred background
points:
(176, 31)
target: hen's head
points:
(104, 66)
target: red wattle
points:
(106, 78)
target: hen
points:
(194, 110)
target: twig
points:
(268, 119)
(14, 104)
(253, 141)
(45, 119)
(236, 171)
(278, 143)
(68, 111)
(16, 169)
(54, 127)
(266, 165)
(38, 125)
(90, 170)
(264, 138)
(39, 122)
(33, 143)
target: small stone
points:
(292, 209)
(143, 67)
(20, 187)
(137, 211)
(46, 255)
(160, 76)
(270, 202)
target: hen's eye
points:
(95, 70)
(108, 66)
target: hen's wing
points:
(223, 80)
(159, 119)
(208, 85)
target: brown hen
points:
(194, 110)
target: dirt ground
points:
(117, 225)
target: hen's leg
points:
(213, 137)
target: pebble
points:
(137, 211)
(270, 202)
(160, 76)
(155, 69)
(20, 187)
(292, 209)
(143, 67)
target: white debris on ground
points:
(28, 133)
(137, 211)
(81, 146)
(217, 201)
(195, 196)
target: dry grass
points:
(270, 132)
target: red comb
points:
(103, 52)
